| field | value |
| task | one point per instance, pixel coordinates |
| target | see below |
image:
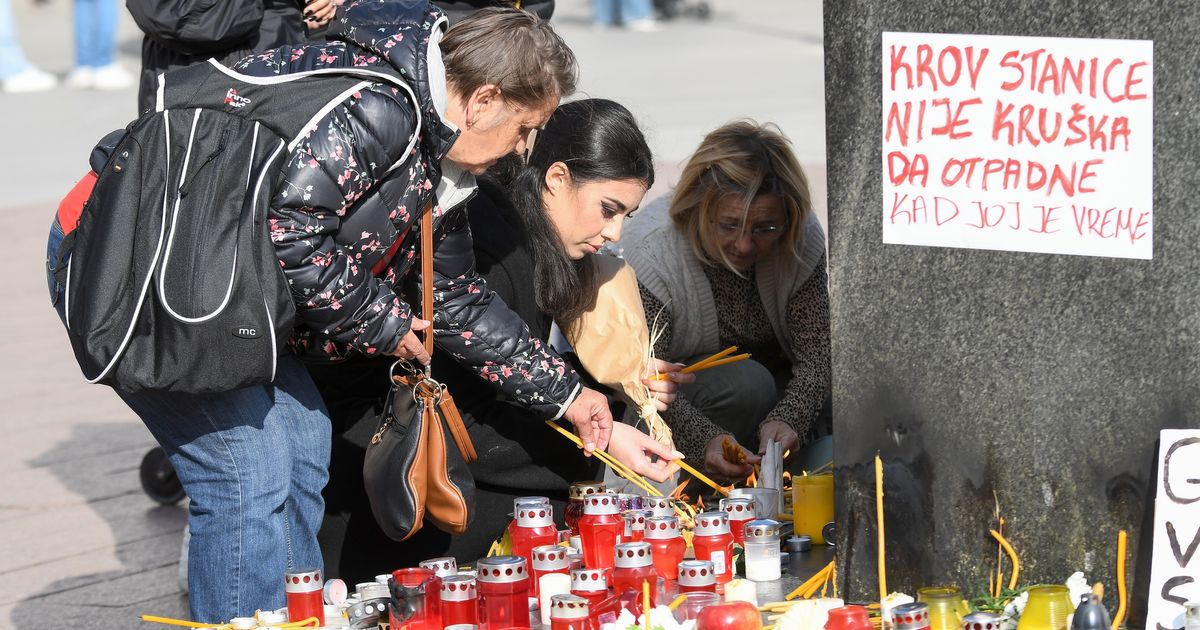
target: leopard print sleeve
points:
(808, 319)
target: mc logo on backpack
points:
(246, 332)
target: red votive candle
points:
(712, 541)
(424, 594)
(568, 612)
(574, 510)
(697, 576)
(740, 511)
(666, 545)
(460, 603)
(304, 595)
(600, 529)
(503, 583)
(635, 565)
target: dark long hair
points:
(598, 140)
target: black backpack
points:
(173, 282)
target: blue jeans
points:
(12, 59)
(604, 12)
(95, 33)
(253, 461)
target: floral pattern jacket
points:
(345, 224)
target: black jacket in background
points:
(183, 32)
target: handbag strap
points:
(427, 275)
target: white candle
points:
(549, 585)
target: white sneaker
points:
(111, 77)
(647, 25)
(80, 78)
(29, 80)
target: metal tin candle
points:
(983, 620)
(697, 576)
(549, 560)
(574, 510)
(633, 566)
(534, 527)
(304, 595)
(635, 525)
(503, 583)
(460, 602)
(712, 541)
(658, 506)
(762, 550)
(630, 501)
(517, 503)
(600, 529)
(740, 511)
(666, 545)
(590, 584)
(568, 612)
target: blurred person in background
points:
(183, 32)
(96, 64)
(17, 75)
(636, 15)
(742, 263)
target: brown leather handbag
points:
(410, 472)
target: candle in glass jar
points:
(635, 525)
(576, 494)
(534, 527)
(503, 585)
(633, 566)
(740, 511)
(304, 595)
(423, 598)
(666, 545)
(712, 541)
(600, 529)
(460, 603)
(568, 612)
(590, 584)
(762, 550)
(658, 506)
(697, 576)
(547, 560)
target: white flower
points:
(1017, 605)
(1078, 585)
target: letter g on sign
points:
(1182, 483)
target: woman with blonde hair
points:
(741, 263)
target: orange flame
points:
(752, 481)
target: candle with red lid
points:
(590, 584)
(697, 576)
(422, 591)
(634, 565)
(576, 494)
(304, 595)
(533, 527)
(712, 541)
(666, 545)
(568, 612)
(635, 525)
(460, 602)
(503, 583)
(600, 529)
(740, 511)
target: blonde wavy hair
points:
(746, 159)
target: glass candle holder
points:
(812, 505)
(304, 596)
(503, 583)
(848, 618)
(658, 506)
(534, 527)
(946, 606)
(1047, 609)
(574, 510)
(712, 541)
(741, 510)
(423, 594)
(635, 525)
(568, 612)
(590, 584)
(666, 545)
(693, 603)
(600, 529)
(697, 576)
(762, 550)
(635, 565)
(460, 602)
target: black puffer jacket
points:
(180, 33)
(356, 185)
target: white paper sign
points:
(1175, 574)
(1031, 144)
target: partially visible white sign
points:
(1032, 144)
(1175, 575)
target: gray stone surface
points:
(1040, 381)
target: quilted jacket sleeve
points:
(197, 27)
(329, 273)
(474, 325)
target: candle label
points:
(718, 560)
(462, 626)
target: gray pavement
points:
(80, 544)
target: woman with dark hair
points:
(534, 239)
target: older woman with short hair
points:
(742, 263)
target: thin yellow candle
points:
(879, 518)
(677, 602)
(701, 364)
(711, 364)
(1012, 556)
(1122, 596)
(645, 605)
(697, 474)
(176, 622)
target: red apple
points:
(729, 616)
